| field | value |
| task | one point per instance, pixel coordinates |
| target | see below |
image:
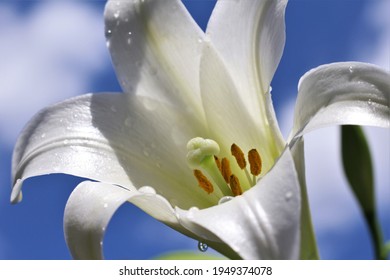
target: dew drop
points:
(147, 189)
(113, 109)
(116, 14)
(146, 153)
(202, 246)
(288, 196)
(369, 101)
(350, 69)
(192, 209)
(225, 199)
(66, 142)
(105, 205)
(43, 135)
(129, 41)
(200, 40)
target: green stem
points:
(380, 250)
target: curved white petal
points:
(228, 118)
(342, 93)
(156, 44)
(115, 139)
(250, 36)
(90, 208)
(263, 223)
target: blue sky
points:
(52, 50)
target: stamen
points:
(254, 162)
(235, 185)
(239, 155)
(203, 182)
(225, 170)
(218, 163)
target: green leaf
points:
(358, 166)
(359, 172)
(189, 255)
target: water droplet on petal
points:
(369, 101)
(192, 209)
(225, 199)
(288, 196)
(43, 135)
(105, 205)
(202, 246)
(147, 189)
(350, 69)
(66, 142)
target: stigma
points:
(214, 172)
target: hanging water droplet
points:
(202, 246)
(192, 209)
(108, 32)
(225, 199)
(270, 89)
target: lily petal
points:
(157, 44)
(131, 142)
(90, 208)
(342, 93)
(263, 223)
(227, 116)
(251, 43)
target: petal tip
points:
(16, 194)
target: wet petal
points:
(90, 208)
(156, 44)
(263, 223)
(342, 93)
(114, 139)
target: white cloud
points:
(47, 54)
(376, 49)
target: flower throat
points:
(202, 158)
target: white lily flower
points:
(190, 97)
